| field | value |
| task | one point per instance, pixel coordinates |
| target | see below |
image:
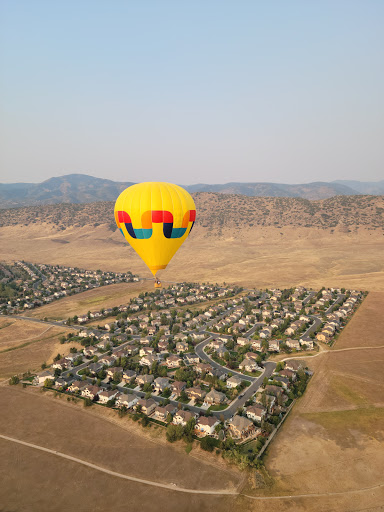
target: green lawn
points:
(219, 407)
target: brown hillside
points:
(216, 212)
(250, 241)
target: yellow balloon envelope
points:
(155, 218)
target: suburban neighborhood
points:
(209, 362)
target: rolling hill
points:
(81, 188)
(221, 213)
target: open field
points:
(71, 430)
(332, 442)
(334, 438)
(260, 257)
(26, 345)
(81, 303)
(363, 325)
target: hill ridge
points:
(215, 212)
(82, 188)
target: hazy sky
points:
(192, 91)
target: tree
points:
(14, 380)
(174, 432)
(280, 366)
(147, 388)
(87, 402)
(145, 421)
(48, 383)
(208, 443)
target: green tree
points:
(208, 443)
(14, 380)
(174, 432)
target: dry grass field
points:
(80, 304)
(334, 438)
(261, 257)
(333, 441)
(36, 481)
(26, 345)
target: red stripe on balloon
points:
(123, 217)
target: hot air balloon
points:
(155, 218)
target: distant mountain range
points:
(81, 188)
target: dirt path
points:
(330, 351)
(174, 487)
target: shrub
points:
(14, 380)
(209, 443)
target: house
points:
(144, 379)
(214, 397)
(243, 341)
(161, 413)
(182, 417)
(163, 346)
(181, 346)
(233, 382)
(220, 374)
(256, 412)
(283, 380)
(256, 344)
(273, 390)
(73, 356)
(147, 361)
(178, 386)
(107, 360)
(307, 342)
(115, 372)
(221, 351)
(191, 359)
(128, 376)
(146, 351)
(323, 337)
(195, 393)
(203, 368)
(131, 349)
(274, 345)
(294, 365)
(106, 396)
(248, 365)
(77, 385)
(240, 427)
(94, 368)
(62, 364)
(160, 383)
(89, 351)
(105, 344)
(147, 406)
(90, 391)
(61, 383)
(127, 400)
(43, 376)
(206, 425)
(293, 344)
(251, 355)
(173, 361)
(288, 373)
